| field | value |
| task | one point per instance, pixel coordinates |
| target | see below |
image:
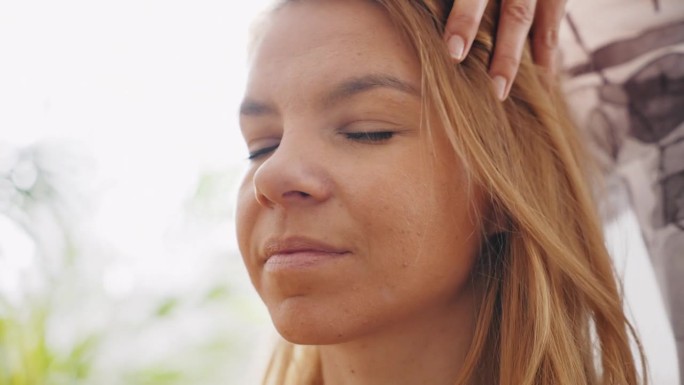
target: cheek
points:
(385, 211)
(422, 236)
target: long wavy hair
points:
(551, 310)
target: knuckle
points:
(560, 9)
(546, 39)
(507, 63)
(519, 11)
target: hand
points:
(517, 17)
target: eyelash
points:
(263, 151)
(372, 137)
(368, 137)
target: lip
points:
(299, 253)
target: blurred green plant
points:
(26, 357)
(67, 330)
(31, 196)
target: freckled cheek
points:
(416, 229)
(393, 227)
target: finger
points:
(545, 33)
(511, 36)
(462, 25)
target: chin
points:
(302, 322)
(300, 336)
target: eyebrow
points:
(357, 85)
(250, 107)
(344, 90)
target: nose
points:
(293, 175)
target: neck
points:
(431, 347)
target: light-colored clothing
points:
(624, 61)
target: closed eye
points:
(261, 152)
(372, 137)
(368, 137)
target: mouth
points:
(298, 253)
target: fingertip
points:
(456, 46)
(502, 71)
(501, 88)
(462, 26)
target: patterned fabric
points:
(625, 65)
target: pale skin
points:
(521, 20)
(355, 236)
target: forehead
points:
(310, 42)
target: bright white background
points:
(147, 92)
(138, 99)
(148, 88)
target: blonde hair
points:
(551, 311)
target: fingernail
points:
(500, 87)
(456, 47)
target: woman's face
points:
(348, 220)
